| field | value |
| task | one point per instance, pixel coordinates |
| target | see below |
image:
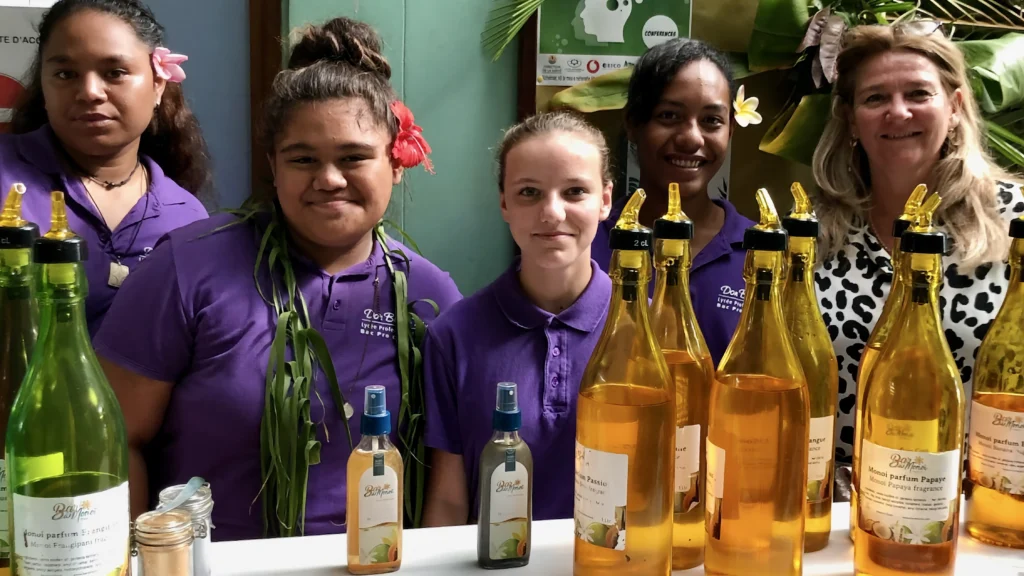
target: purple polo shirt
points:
(716, 277)
(499, 335)
(191, 315)
(34, 160)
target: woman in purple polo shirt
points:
(187, 344)
(104, 120)
(536, 325)
(679, 115)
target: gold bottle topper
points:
(675, 207)
(769, 216)
(923, 220)
(11, 215)
(914, 203)
(58, 219)
(673, 248)
(629, 219)
(802, 209)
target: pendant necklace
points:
(118, 272)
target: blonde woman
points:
(903, 114)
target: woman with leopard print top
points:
(903, 114)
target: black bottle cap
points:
(1017, 228)
(52, 251)
(18, 237)
(801, 228)
(923, 242)
(771, 240)
(671, 230)
(899, 227)
(630, 239)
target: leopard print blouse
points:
(852, 287)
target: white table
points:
(452, 552)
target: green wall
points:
(463, 101)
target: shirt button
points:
(556, 352)
(337, 304)
(554, 380)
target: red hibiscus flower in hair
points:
(410, 148)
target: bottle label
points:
(5, 546)
(600, 499)
(908, 497)
(86, 534)
(996, 449)
(819, 458)
(378, 514)
(716, 476)
(510, 493)
(687, 495)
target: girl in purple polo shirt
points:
(536, 325)
(679, 113)
(205, 331)
(104, 120)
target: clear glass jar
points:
(200, 506)
(163, 543)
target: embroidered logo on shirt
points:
(730, 299)
(379, 324)
(145, 252)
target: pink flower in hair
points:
(167, 65)
(410, 148)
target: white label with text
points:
(378, 514)
(716, 475)
(687, 456)
(907, 496)
(819, 454)
(85, 534)
(996, 449)
(600, 498)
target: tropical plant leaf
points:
(997, 71)
(604, 92)
(795, 133)
(504, 21)
(779, 29)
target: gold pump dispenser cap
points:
(675, 228)
(58, 219)
(768, 234)
(801, 221)
(629, 236)
(17, 235)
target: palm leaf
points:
(504, 21)
(975, 16)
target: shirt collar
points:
(40, 149)
(584, 315)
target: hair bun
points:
(341, 40)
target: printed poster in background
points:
(18, 39)
(580, 39)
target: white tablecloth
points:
(452, 552)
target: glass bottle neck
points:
(506, 437)
(61, 295)
(629, 284)
(802, 253)
(922, 280)
(375, 442)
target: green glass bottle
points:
(67, 453)
(18, 324)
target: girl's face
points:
(333, 173)
(98, 83)
(554, 197)
(902, 114)
(687, 137)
